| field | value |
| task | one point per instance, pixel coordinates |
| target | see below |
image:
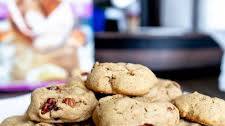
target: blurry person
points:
(44, 23)
(212, 21)
(41, 30)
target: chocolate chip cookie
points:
(202, 109)
(62, 103)
(121, 78)
(17, 121)
(164, 90)
(118, 110)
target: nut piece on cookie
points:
(201, 109)
(121, 78)
(118, 110)
(187, 123)
(61, 103)
(17, 121)
(164, 90)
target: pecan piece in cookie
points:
(84, 74)
(170, 108)
(49, 105)
(69, 101)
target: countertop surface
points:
(13, 105)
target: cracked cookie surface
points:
(118, 110)
(62, 103)
(202, 109)
(121, 78)
(164, 90)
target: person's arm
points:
(18, 19)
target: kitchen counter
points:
(159, 52)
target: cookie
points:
(118, 110)
(79, 73)
(62, 103)
(201, 109)
(76, 81)
(187, 123)
(121, 78)
(22, 121)
(85, 123)
(164, 90)
(47, 124)
(17, 121)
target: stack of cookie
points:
(128, 95)
(70, 104)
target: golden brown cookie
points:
(62, 103)
(121, 110)
(85, 123)
(24, 121)
(46, 124)
(164, 90)
(202, 109)
(81, 74)
(121, 78)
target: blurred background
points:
(48, 41)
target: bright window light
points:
(122, 3)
